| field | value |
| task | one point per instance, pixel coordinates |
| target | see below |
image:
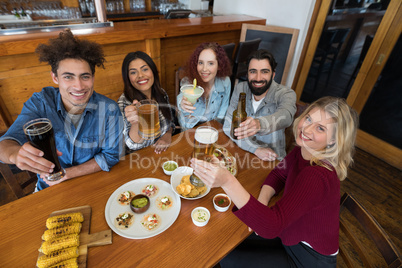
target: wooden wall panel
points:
(22, 75)
(169, 43)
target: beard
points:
(258, 91)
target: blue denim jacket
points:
(216, 108)
(99, 132)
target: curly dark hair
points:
(67, 46)
(224, 66)
(157, 92)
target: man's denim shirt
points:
(99, 132)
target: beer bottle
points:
(239, 115)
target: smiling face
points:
(260, 77)
(315, 131)
(141, 76)
(207, 66)
(76, 83)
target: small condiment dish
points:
(169, 166)
(141, 209)
(221, 202)
(200, 216)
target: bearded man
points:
(270, 109)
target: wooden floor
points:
(373, 182)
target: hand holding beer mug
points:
(40, 134)
(204, 147)
(148, 119)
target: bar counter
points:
(168, 41)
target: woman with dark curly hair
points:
(141, 81)
(211, 67)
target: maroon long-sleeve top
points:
(308, 210)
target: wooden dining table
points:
(22, 222)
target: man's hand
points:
(187, 106)
(132, 113)
(266, 154)
(248, 128)
(31, 159)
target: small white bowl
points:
(221, 208)
(169, 172)
(200, 216)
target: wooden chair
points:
(243, 50)
(20, 182)
(229, 49)
(351, 232)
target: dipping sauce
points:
(221, 201)
(139, 202)
(170, 166)
(200, 215)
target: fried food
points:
(186, 189)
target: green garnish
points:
(220, 202)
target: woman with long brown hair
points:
(141, 81)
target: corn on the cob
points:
(57, 256)
(71, 263)
(64, 219)
(61, 242)
(73, 228)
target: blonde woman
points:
(302, 228)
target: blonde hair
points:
(338, 155)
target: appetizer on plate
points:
(150, 190)
(151, 221)
(164, 202)
(125, 198)
(186, 189)
(124, 220)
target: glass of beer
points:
(204, 147)
(148, 117)
(40, 134)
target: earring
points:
(330, 145)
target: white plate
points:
(136, 231)
(176, 177)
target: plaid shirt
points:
(165, 125)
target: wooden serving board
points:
(86, 240)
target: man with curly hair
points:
(87, 126)
(270, 109)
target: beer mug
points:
(40, 134)
(148, 117)
(204, 147)
(204, 142)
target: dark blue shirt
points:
(99, 131)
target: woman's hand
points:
(212, 174)
(132, 113)
(187, 106)
(163, 143)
